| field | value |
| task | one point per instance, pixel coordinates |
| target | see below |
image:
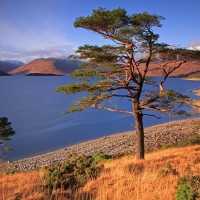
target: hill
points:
(47, 66)
(194, 76)
(185, 70)
(6, 66)
(16, 62)
(124, 178)
(63, 66)
(121, 175)
(4, 73)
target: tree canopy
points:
(6, 131)
(116, 71)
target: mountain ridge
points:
(57, 66)
(47, 66)
(16, 62)
(6, 66)
(2, 73)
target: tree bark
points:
(139, 131)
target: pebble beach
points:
(155, 138)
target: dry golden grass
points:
(122, 179)
(126, 178)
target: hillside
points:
(110, 177)
(156, 177)
(194, 76)
(125, 178)
(6, 66)
(47, 66)
(64, 66)
(4, 73)
(185, 70)
(16, 62)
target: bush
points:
(10, 171)
(193, 140)
(167, 170)
(74, 172)
(188, 188)
(100, 157)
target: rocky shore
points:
(196, 103)
(197, 92)
(192, 79)
(155, 137)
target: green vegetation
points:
(112, 72)
(167, 170)
(188, 188)
(6, 131)
(10, 171)
(77, 178)
(74, 172)
(195, 139)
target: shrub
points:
(10, 171)
(74, 172)
(167, 170)
(188, 188)
(101, 157)
(193, 140)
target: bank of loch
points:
(155, 138)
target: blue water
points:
(34, 108)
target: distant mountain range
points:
(55, 66)
(7, 66)
(15, 62)
(185, 70)
(47, 66)
(4, 73)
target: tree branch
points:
(111, 109)
(153, 116)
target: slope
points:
(47, 66)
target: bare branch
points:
(163, 110)
(166, 72)
(111, 109)
(153, 116)
(148, 101)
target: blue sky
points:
(31, 29)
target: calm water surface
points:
(34, 108)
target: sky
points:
(31, 29)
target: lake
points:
(34, 108)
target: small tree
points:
(115, 71)
(6, 131)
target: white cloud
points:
(32, 42)
(9, 52)
(33, 33)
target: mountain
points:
(185, 69)
(52, 66)
(16, 62)
(4, 73)
(6, 66)
(47, 66)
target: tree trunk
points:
(139, 131)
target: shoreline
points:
(196, 103)
(197, 92)
(192, 79)
(155, 137)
